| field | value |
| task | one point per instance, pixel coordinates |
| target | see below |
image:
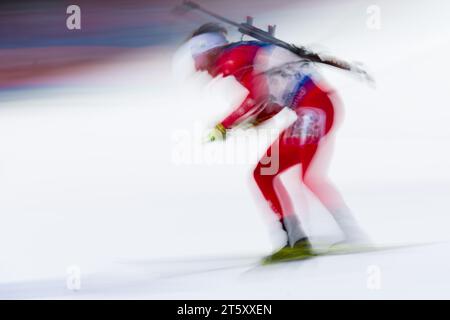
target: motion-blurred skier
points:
(276, 79)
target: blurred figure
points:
(276, 78)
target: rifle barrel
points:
(254, 32)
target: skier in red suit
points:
(274, 82)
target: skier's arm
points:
(257, 114)
(270, 110)
(247, 108)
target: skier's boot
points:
(300, 250)
(303, 246)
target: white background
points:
(87, 176)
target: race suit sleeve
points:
(238, 61)
(248, 108)
(270, 110)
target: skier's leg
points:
(317, 156)
(298, 246)
(289, 221)
(280, 158)
(315, 178)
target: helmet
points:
(208, 36)
(205, 42)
